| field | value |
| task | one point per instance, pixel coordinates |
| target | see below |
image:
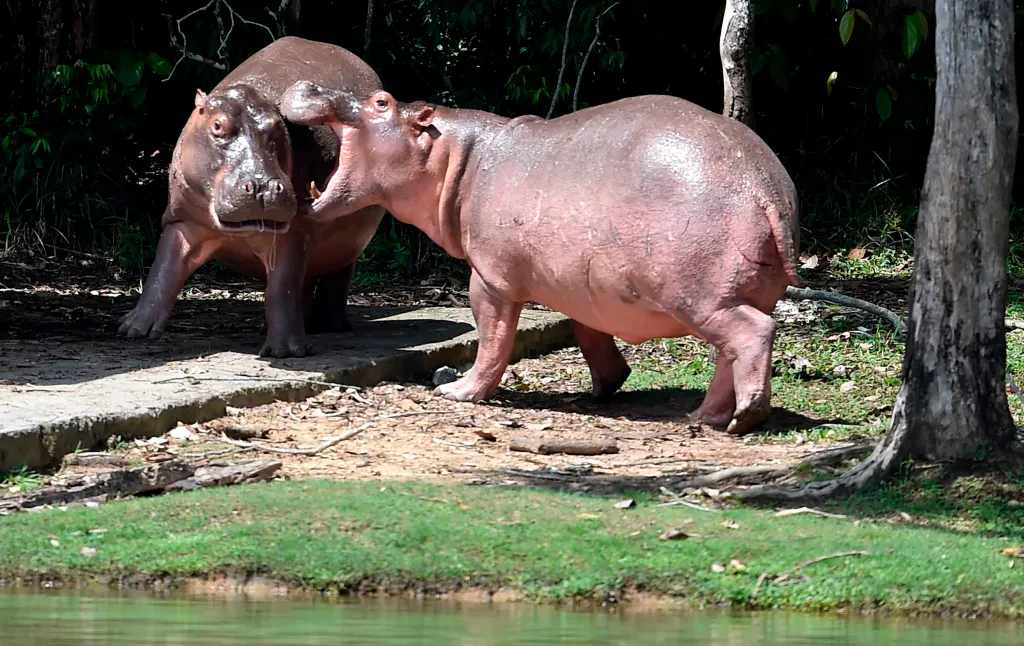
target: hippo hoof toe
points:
(137, 327)
(748, 417)
(286, 350)
(605, 388)
(458, 391)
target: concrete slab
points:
(59, 396)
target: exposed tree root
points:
(808, 294)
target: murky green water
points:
(65, 620)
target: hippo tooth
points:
(314, 191)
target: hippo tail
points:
(787, 241)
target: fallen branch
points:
(569, 447)
(757, 588)
(334, 441)
(224, 36)
(113, 483)
(223, 475)
(565, 53)
(541, 475)
(827, 557)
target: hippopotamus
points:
(647, 217)
(238, 178)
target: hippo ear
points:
(200, 100)
(424, 117)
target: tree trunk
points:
(369, 26)
(952, 404)
(736, 48)
(953, 400)
(39, 36)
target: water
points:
(66, 620)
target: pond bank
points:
(494, 544)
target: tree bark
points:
(735, 47)
(369, 26)
(953, 400)
(952, 404)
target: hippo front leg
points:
(283, 300)
(496, 322)
(179, 253)
(608, 369)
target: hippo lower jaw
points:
(254, 226)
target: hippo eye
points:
(382, 104)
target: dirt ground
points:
(409, 433)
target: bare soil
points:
(80, 298)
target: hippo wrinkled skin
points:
(238, 178)
(644, 218)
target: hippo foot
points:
(463, 390)
(141, 323)
(293, 346)
(749, 416)
(603, 389)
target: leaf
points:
(846, 27)
(29, 131)
(857, 253)
(736, 565)
(910, 38)
(717, 568)
(673, 535)
(863, 16)
(629, 503)
(921, 22)
(883, 104)
(814, 5)
(830, 82)
(158, 64)
(810, 263)
(484, 435)
(128, 71)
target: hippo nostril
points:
(249, 187)
(277, 186)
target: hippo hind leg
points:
(328, 311)
(744, 336)
(608, 369)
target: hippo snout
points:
(257, 203)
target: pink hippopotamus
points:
(644, 218)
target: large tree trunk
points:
(952, 404)
(735, 47)
(953, 400)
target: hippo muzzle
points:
(253, 201)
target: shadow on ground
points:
(661, 404)
(47, 338)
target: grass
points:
(20, 480)
(549, 546)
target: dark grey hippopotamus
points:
(644, 218)
(237, 178)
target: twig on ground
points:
(757, 588)
(807, 510)
(565, 53)
(678, 500)
(586, 57)
(829, 556)
(312, 451)
(285, 380)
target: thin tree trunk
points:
(369, 26)
(735, 47)
(952, 404)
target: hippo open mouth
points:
(256, 226)
(334, 186)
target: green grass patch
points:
(550, 546)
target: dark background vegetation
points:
(89, 116)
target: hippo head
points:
(235, 153)
(384, 146)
